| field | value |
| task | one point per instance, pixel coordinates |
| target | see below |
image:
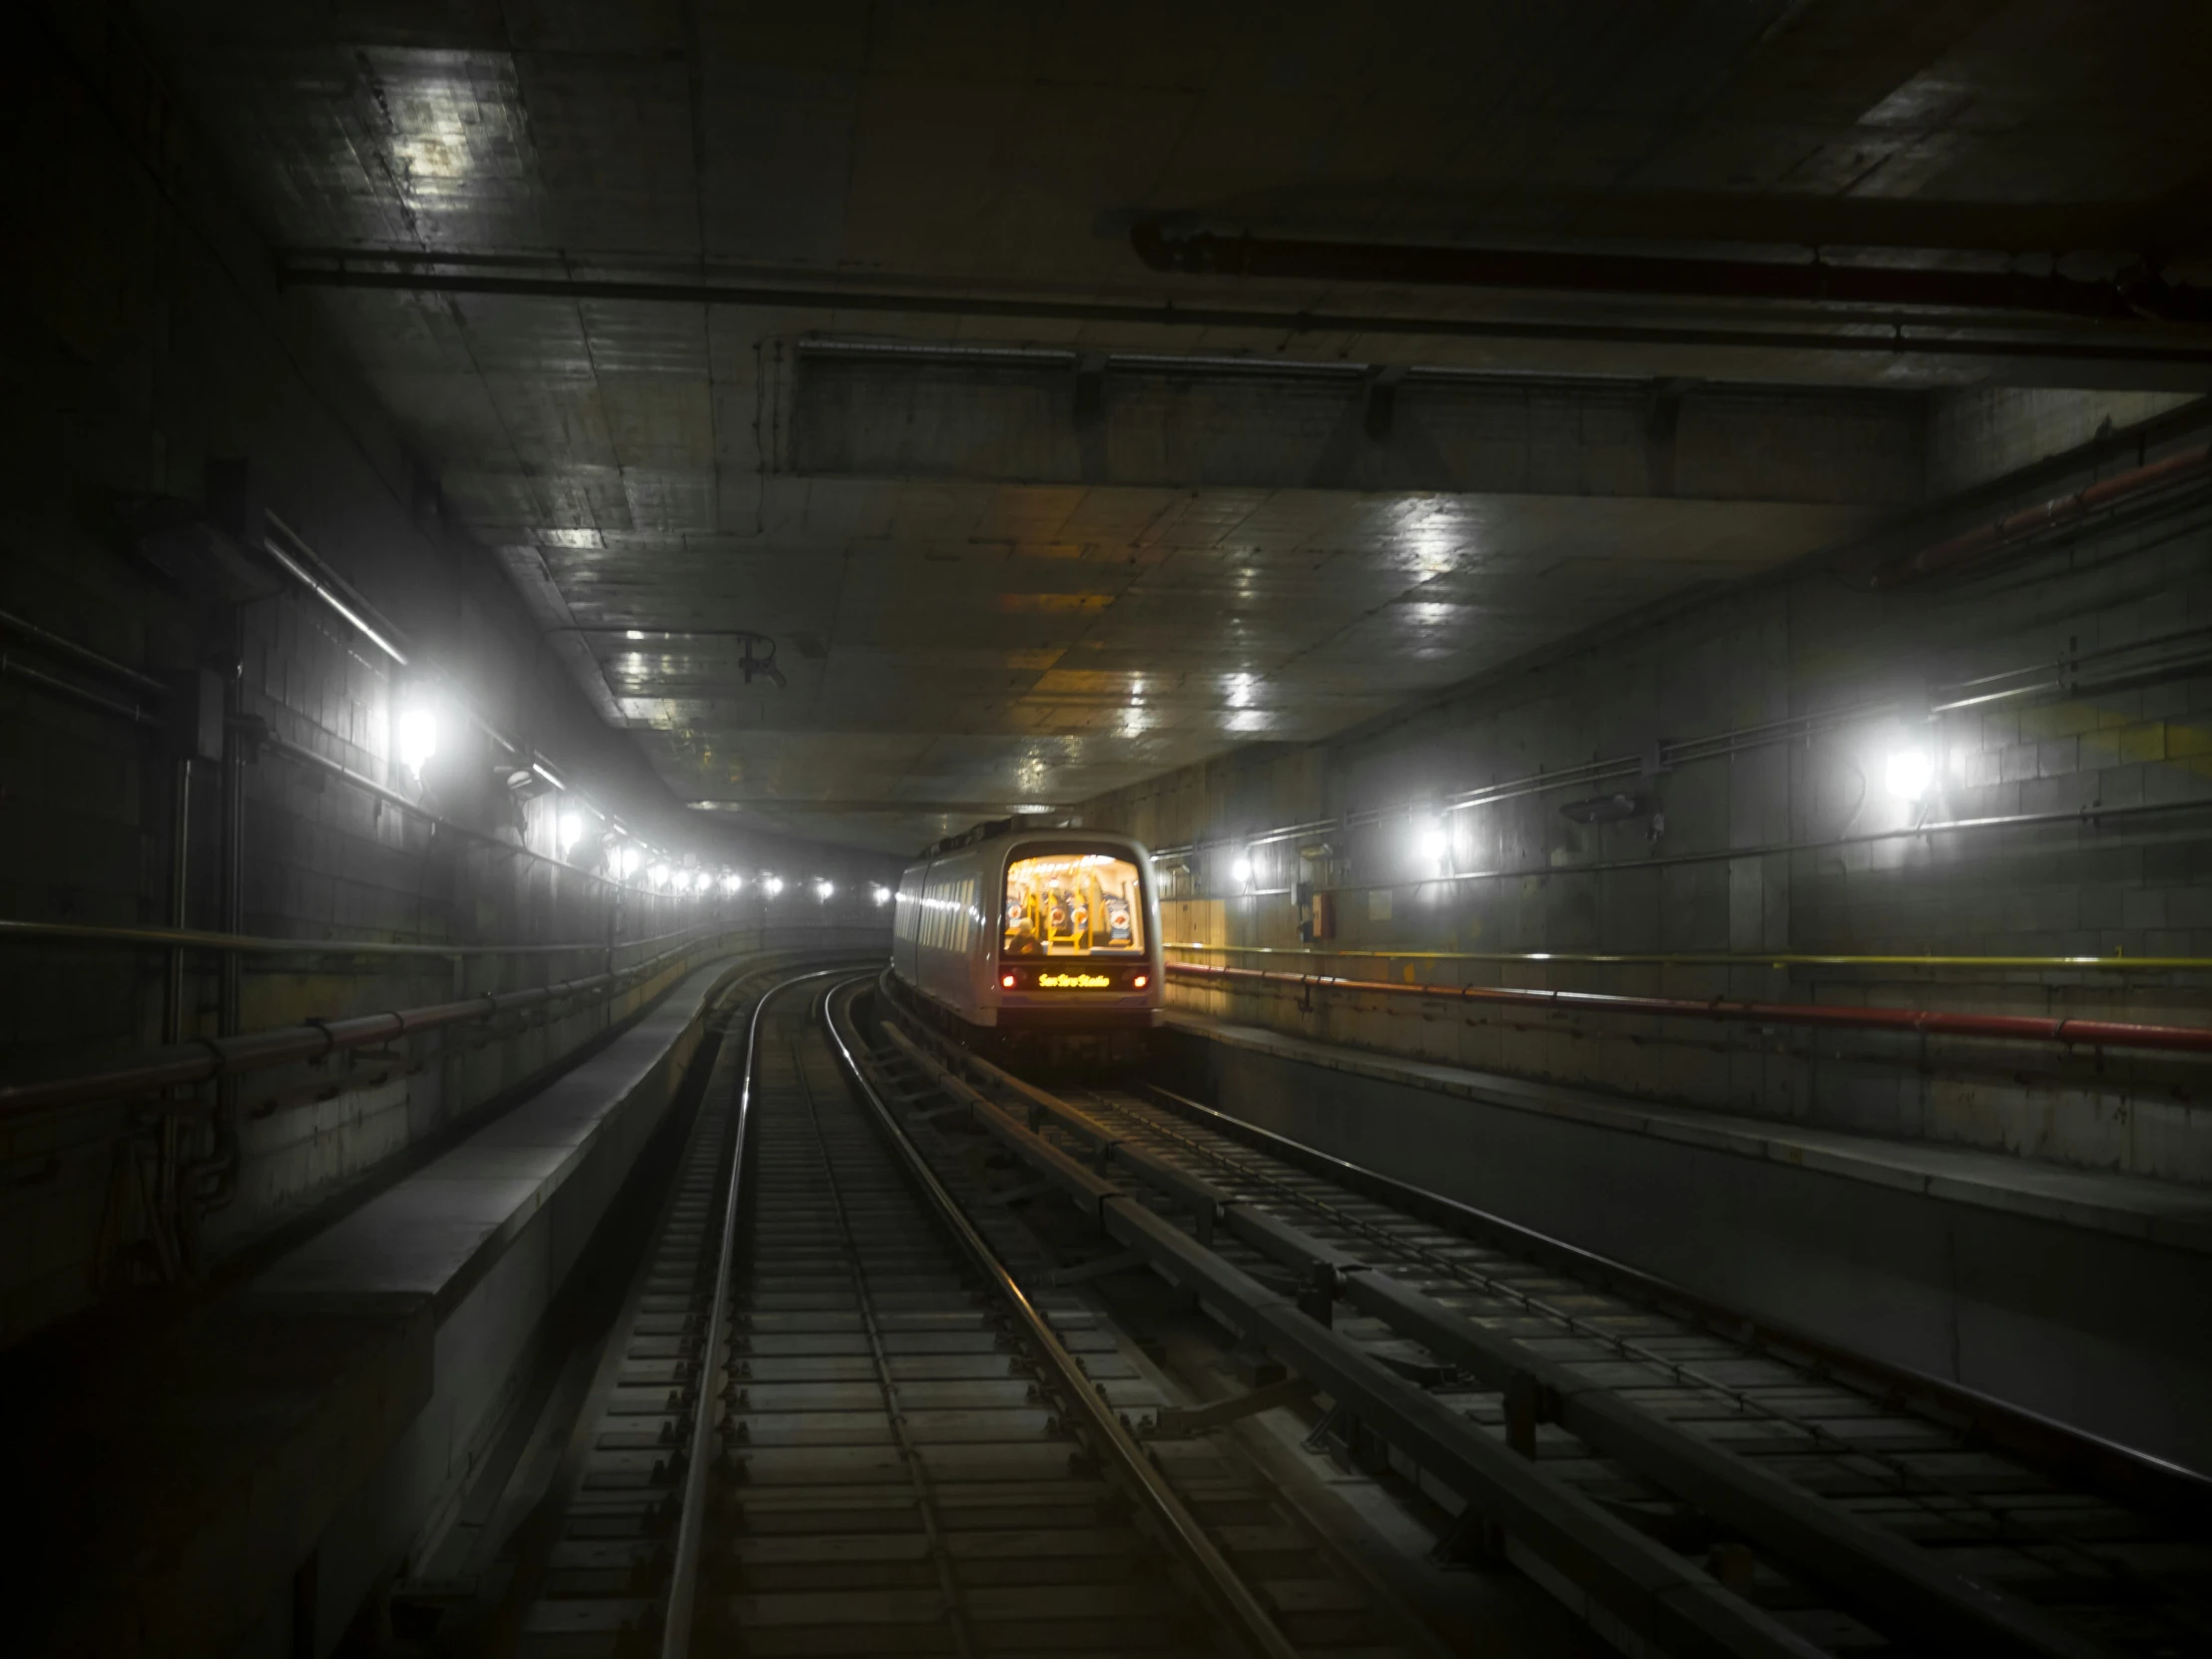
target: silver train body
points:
(1033, 943)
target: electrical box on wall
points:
(195, 710)
(1317, 912)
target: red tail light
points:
(1141, 981)
(1008, 981)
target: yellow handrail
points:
(1714, 958)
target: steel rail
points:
(676, 1627)
(536, 1536)
(1912, 1023)
(197, 1062)
(1231, 1597)
(1895, 1582)
(2136, 1476)
(1707, 958)
(1892, 1580)
(1647, 1585)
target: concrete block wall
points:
(1982, 432)
(1720, 875)
(145, 340)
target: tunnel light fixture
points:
(771, 884)
(1432, 843)
(416, 736)
(732, 881)
(1240, 869)
(569, 829)
(658, 875)
(879, 893)
(824, 889)
(1908, 772)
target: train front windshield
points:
(1073, 904)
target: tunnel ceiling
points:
(824, 323)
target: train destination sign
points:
(1073, 981)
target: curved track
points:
(1835, 1512)
(884, 1442)
(864, 1395)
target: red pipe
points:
(2079, 1033)
(1814, 281)
(1981, 542)
(260, 1050)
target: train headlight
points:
(1142, 980)
(1006, 980)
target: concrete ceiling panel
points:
(658, 420)
(981, 592)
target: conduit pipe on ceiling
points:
(217, 1057)
(2181, 467)
(2134, 295)
(1926, 336)
(1917, 1022)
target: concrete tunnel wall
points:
(147, 341)
(2134, 885)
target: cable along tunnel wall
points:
(2059, 706)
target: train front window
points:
(1073, 904)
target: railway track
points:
(1691, 1480)
(887, 1442)
(869, 1391)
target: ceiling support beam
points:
(1898, 338)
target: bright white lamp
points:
(1907, 774)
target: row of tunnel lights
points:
(627, 860)
(631, 863)
(627, 863)
(1906, 775)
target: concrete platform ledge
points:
(266, 1458)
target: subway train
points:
(1033, 946)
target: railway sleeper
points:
(1885, 1576)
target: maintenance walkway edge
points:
(239, 1481)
